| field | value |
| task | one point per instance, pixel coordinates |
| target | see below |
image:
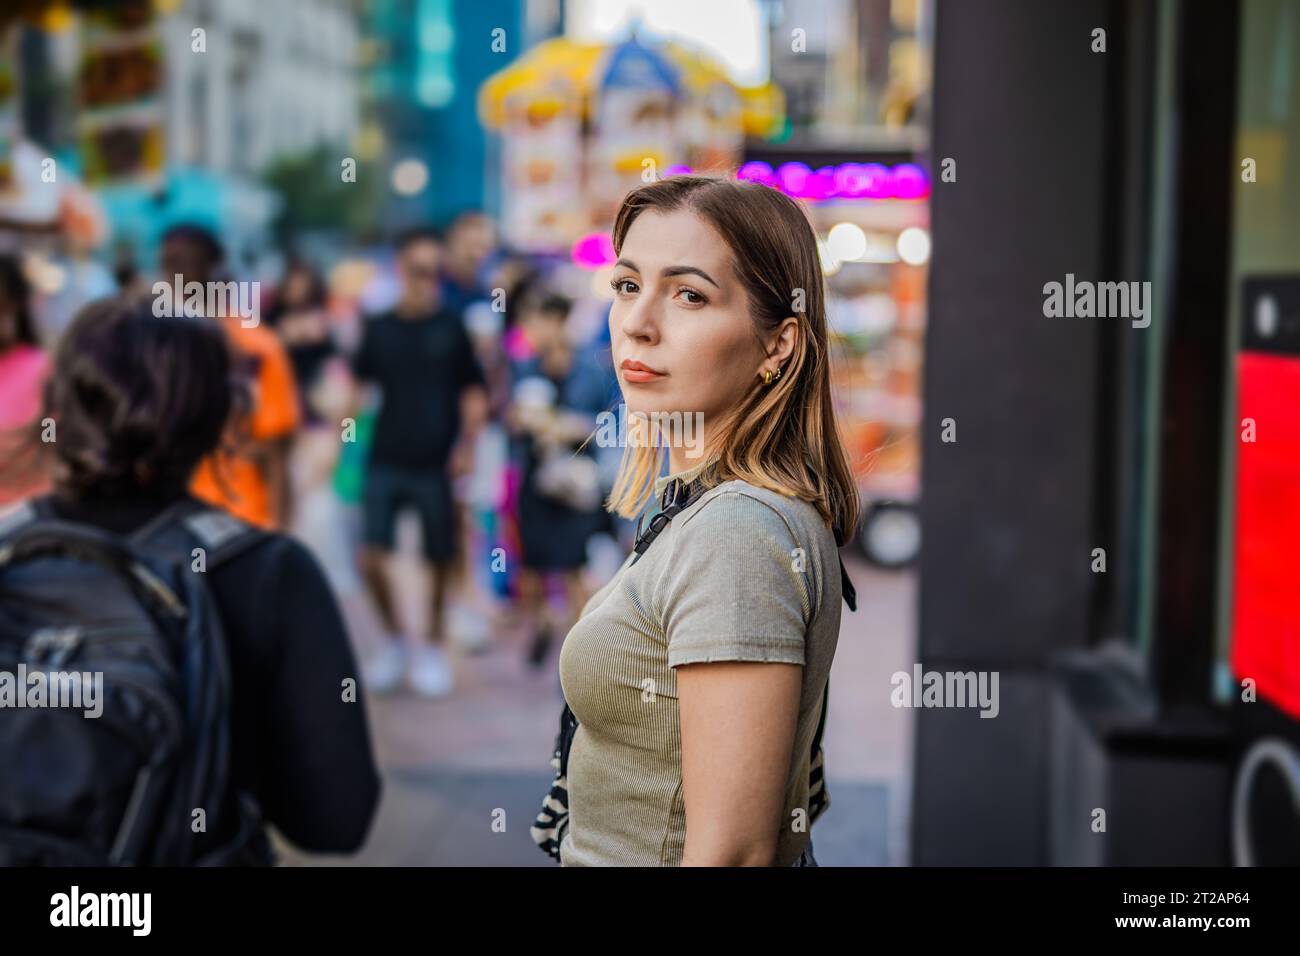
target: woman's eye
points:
(621, 286)
(692, 297)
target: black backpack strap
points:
(677, 497)
(42, 534)
(821, 723)
(188, 523)
(564, 739)
(846, 585)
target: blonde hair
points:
(781, 436)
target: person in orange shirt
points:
(249, 475)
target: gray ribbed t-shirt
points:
(744, 574)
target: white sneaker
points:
(469, 629)
(383, 672)
(430, 672)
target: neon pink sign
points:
(594, 251)
(845, 181)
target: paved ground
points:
(463, 776)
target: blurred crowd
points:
(455, 390)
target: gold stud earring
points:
(777, 375)
(767, 377)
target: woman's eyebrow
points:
(688, 270)
(671, 271)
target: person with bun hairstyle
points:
(139, 401)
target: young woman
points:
(697, 673)
(138, 402)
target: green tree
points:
(317, 196)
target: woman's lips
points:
(639, 374)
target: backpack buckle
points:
(52, 646)
(677, 491)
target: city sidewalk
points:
(464, 776)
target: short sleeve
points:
(736, 587)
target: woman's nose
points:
(639, 321)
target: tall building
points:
(424, 61)
(274, 79)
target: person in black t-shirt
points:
(139, 401)
(433, 403)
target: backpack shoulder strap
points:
(36, 531)
(188, 524)
(847, 589)
(821, 721)
(677, 497)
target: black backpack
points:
(125, 627)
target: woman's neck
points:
(699, 438)
(683, 458)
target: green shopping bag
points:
(350, 473)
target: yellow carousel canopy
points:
(561, 73)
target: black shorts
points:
(390, 489)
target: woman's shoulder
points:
(761, 554)
(738, 503)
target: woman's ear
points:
(781, 343)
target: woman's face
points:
(680, 329)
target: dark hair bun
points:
(138, 400)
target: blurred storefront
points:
(1109, 519)
(582, 123)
